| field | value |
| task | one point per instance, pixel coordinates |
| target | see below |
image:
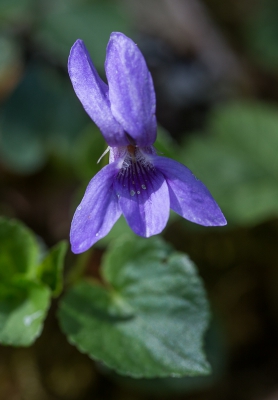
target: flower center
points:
(136, 155)
(131, 149)
(136, 170)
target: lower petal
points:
(189, 197)
(144, 200)
(97, 212)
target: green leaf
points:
(19, 251)
(237, 160)
(150, 317)
(23, 300)
(50, 271)
(216, 354)
(23, 307)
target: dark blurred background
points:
(215, 70)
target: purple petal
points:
(131, 91)
(144, 200)
(97, 212)
(92, 92)
(189, 197)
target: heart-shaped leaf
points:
(149, 318)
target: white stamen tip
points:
(103, 154)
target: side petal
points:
(97, 212)
(144, 201)
(93, 94)
(131, 90)
(189, 197)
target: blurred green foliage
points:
(10, 54)
(91, 21)
(261, 34)
(48, 118)
(237, 160)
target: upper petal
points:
(131, 90)
(144, 199)
(93, 94)
(189, 197)
(97, 212)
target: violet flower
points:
(137, 182)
